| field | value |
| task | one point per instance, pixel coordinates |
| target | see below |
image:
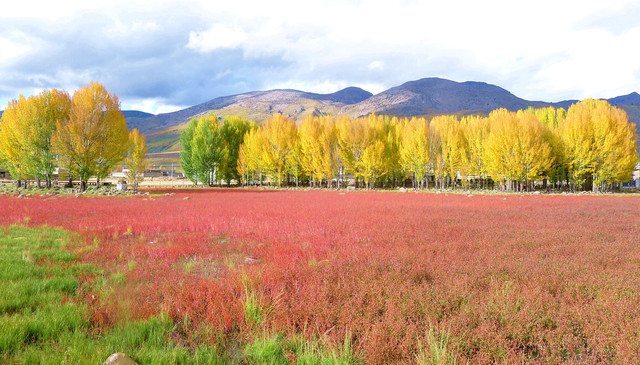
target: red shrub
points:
(551, 278)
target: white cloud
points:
(12, 50)
(551, 50)
(153, 106)
(376, 65)
(216, 37)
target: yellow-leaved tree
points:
(136, 160)
(393, 171)
(280, 135)
(251, 165)
(12, 139)
(476, 130)
(415, 158)
(516, 151)
(26, 130)
(317, 136)
(353, 138)
(453, 149)
(600, 144)
(552, 120)
(95, 137)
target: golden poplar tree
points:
(600, 144)
(394, 173)
(371, 165)
(252, 156)
(453, 155)
(552, 120)
(27, 128)
(353, 137)
(476, 130)
(317, 146)
(136, 160)
(414, 149)
(241, 166)
(280, 135)
(516, 152)
(13, 146)
(95, 137)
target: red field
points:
(400, 275)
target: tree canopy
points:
(86, 134)
(95, 137)
(590, 146)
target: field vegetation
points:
(264, 276)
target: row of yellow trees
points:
(590, 146)
(86, 134)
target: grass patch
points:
(42, 321)
(276, 349)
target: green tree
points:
(207, 149)
(232, 133)
(186, 139)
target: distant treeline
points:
(590, 146)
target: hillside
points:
(439, 96)
(257, 105)
(630, 103)
(429, 96)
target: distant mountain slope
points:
(633, 99)
(630, 103)
(257, 105)
(136, 114)
(429, 96)
(440, 96)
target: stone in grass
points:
(119, 359)
(250, 260)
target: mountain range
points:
(424, 97)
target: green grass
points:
(44, 321)
(276, 349)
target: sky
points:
(162, 56)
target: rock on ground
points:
(119, 359)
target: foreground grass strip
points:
(41, 321)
